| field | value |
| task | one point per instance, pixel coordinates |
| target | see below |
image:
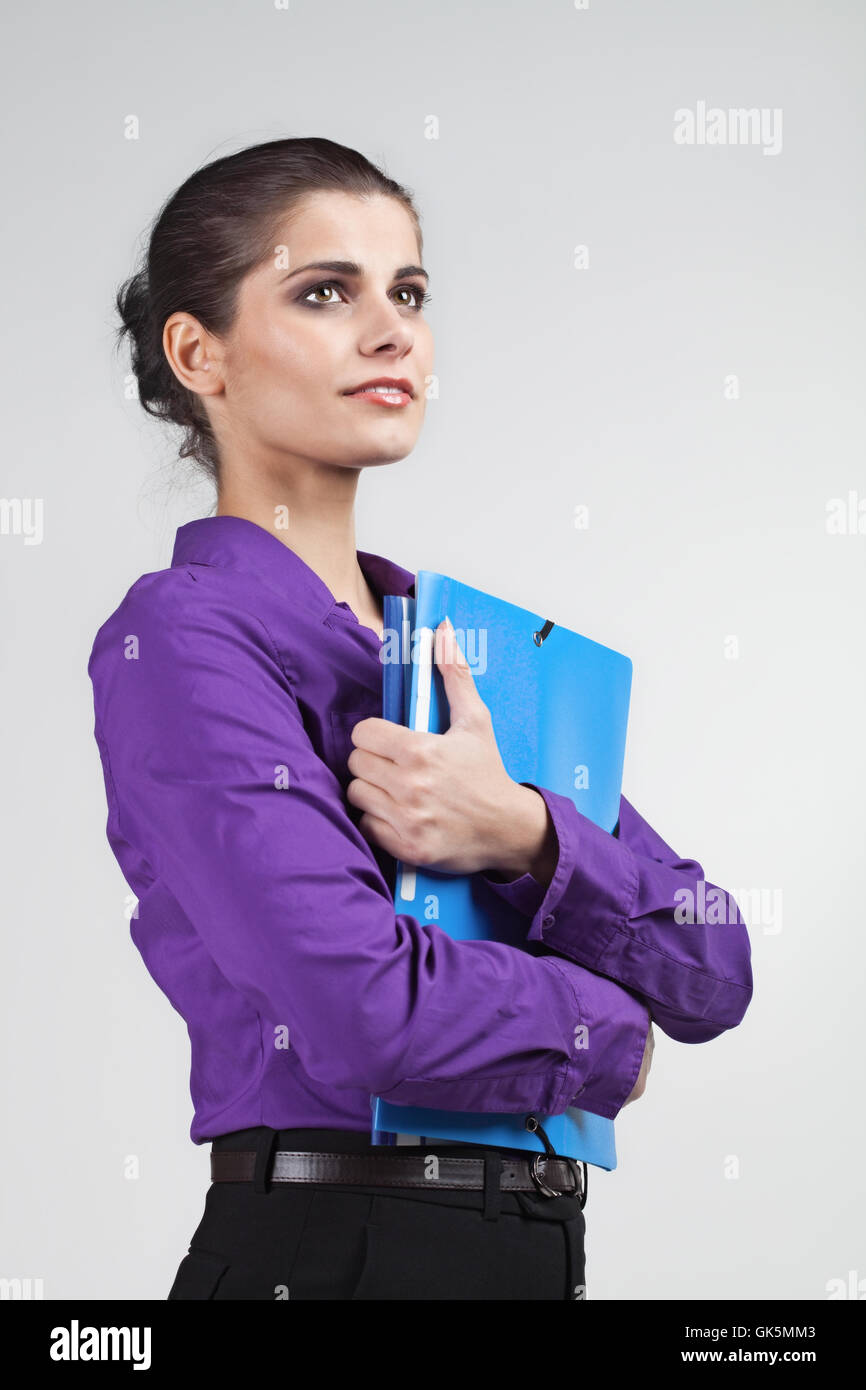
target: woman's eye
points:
(413, 297)
(420, 296)
(319, 289)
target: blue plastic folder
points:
(559, 705)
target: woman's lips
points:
(380, 397)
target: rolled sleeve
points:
(215, 781)
(626, 905)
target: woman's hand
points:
(445, 801)
(640, 1085)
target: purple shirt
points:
(225, 691)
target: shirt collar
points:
(233, 542)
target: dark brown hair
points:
(215, 228)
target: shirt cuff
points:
(616, 1023)
(525, 893)
(596, 878)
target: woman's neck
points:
(324, 540)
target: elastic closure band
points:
(579, 1178)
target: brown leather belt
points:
(552, 1176)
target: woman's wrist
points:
(526, 841)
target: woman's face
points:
(305, 338)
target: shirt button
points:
(549, 920)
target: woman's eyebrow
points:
(354, 269)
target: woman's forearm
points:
(627, 906)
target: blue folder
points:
(559, 705)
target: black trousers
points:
(302, 1241)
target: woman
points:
(257, 802)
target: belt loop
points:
(264, 1148)
(492, 1184)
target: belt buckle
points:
(543, 1187)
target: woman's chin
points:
(390, 447)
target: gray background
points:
(558, 387)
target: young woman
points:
(257, 802)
